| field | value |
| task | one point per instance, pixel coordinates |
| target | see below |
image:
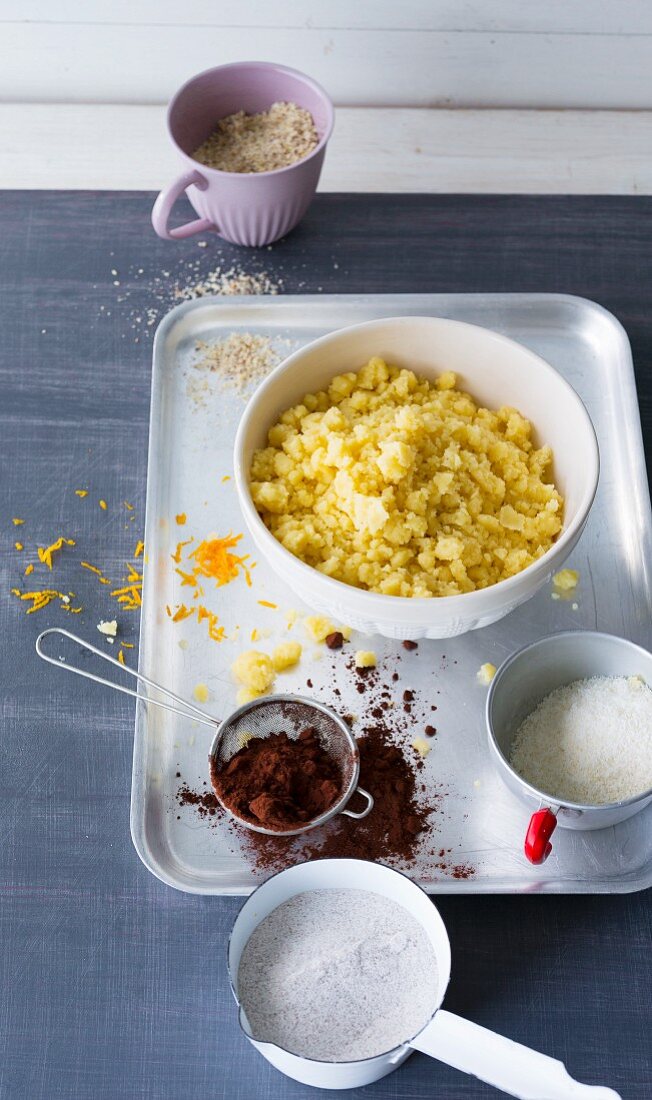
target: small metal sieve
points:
(270, 714)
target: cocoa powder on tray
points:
(399, 827)
(391, 831)
(204, 802)
(279, 783)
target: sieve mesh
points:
(284, 714)
(290, 715)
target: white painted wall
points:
(463, 53)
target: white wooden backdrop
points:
(401, 53)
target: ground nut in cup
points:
(520, 684)
(244, 208)
(509, 1066)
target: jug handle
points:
(516, 1069)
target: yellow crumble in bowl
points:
(406, 487)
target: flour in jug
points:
(338, 975)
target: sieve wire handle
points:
(367, 809)
(195, 713)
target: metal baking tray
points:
(480, 822)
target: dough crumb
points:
(422, 746)
(566, 579)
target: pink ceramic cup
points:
(245, 208)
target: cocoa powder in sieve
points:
(279, 783)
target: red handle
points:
(537, 840)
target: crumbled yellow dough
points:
(364, 658)
(422, 746)
(318, 628)
(286, 655)
(245, 736)
(403, 486)
(109, 629)
(486, 673)
(566, 579)
(246, 695)
(201, 693)
(254, 670)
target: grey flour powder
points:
(338, 975)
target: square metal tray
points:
(481, 823)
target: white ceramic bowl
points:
(496, 371)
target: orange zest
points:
(215, 559)
(214, 631)
(177, 553)
(29, 569)
(17, 522)
(266, 603)
(94, 569)
(129, 596)
(81, 493)
(181, 518)
(43, 598)
(182, 612)
(187, 578)
(140, 546)
(45, 552)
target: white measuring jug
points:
(517, 1070)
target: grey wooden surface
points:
(113, 985)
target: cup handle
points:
(368, 807)
(163, 208)
(542, 825)
(516, 1069)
